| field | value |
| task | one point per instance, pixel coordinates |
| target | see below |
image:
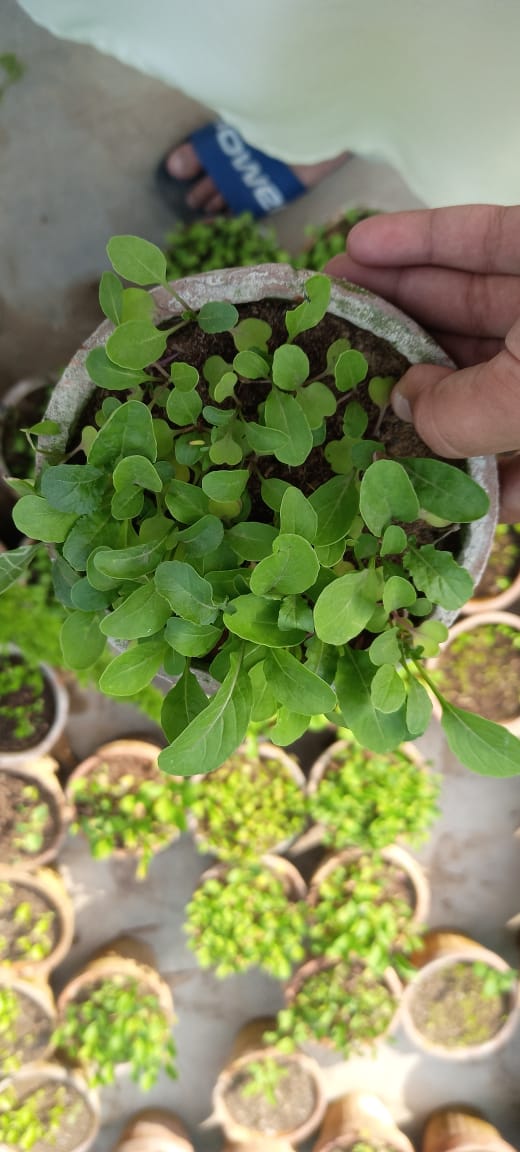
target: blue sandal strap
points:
(248, 180)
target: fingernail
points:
(401, 406)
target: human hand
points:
(457, 272)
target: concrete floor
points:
(79, 136)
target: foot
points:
(204, 196)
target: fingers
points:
(509, 472)
(467, 350)
(473, 412)
(445, 298)
(474, 237)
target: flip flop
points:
(248, 180)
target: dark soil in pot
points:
(25, 819)
(480, 670)
(449, 1008)
(28, 922)
(28, 410)
(32, 1032)
(26, 704)
(287, 1109)
(76, 1120)
(503, 563)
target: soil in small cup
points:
(40, 924)
(33, 707)
(294, 1101)
(503, 563)
(115, 767)
(480, 671)
(18, 454)
(15, 818)
(449, 1007)
(32, 1033)
(76, 1121)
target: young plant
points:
(245, 919)
(10, 1058)
(31, 1118)
(370, 800)
(22, 689)
(238, 506)
(127, 814)
(117, 1023)
(247, 807)
(35, 819)
(356, 916)
(480, 669)
(327, 240)
(223, 242)
(464, 1004)
(263, 1078)
(503, 562)
(25, 935)
(344, 1006)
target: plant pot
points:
(231, 1110)
(77, 1132)
(441, 952)
(46, 889)
(343, 973)
(119, 758)
(395, 855)
(208, 842)
(33, 1032)
(461, 1129)
(37, 775)
(370, 838)
(505, 551)
(56, 699)
(154, 1130)
(360, 1117)
(469, 624)
(21, 406)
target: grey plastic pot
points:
(280, 281)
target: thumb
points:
(471, 412)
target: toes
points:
(183, 162)
(215, 205)
(201, 193)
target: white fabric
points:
(432, 86)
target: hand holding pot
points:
(457, 271)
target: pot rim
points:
(392, 854)
(467, 624)
(48, 785)
(48, 883)
(61, 710)
(52, 1071)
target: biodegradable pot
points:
(248, 1046)
(394, 855)
(467, 624)
(321, 964)
(39, 999)
(501, 600)
(265, 751)
(50, 887)
(461, 1129)
(40, 774)
(140, 751)
(60, 701)
(440, 951)
(41, 1073)
(359, 1116)
(281, 282)
(293, 882)
(154, 1130)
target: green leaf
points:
(264, 703)
(293, 567)
(351, 368)
(136, 259)
(127, 503)
(108, 375)
(379, 389)
(132, 670)
(382, 732)
(479, 744)
(225, 388)
(266, 441)
(290, 367)
(272, 492)
(446, 491)
(111, 296)
(252, 333)
(312, 310)
(217, 316)
(284, 413)
(355, 420)
(385, 648)
(136, 344)
(225, 484)
(184, 376)
(398, 593)
(127, 432)
(288, 728)
(255, 619)
(387, 690)
(386, 493)
(181, 705)
(183, 408)
(394, 540)
(190, 595)
(438, 575)
(189, 638)
(138, 471)
(295, 613)
(201, 538)
(132, 562)
(75, 488)
(251, 365)
(296, 687)
(143, 613)
(34, 518)
(87, 534)
(336, 504)
(226, 450)
(217, 731)
(251, 540)
(14, 563)
(82, 643)
(88, 598)
(345, 605)
(317, 402)
(137, 305)
(297, 514)
(418, 707)
(186, 502)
